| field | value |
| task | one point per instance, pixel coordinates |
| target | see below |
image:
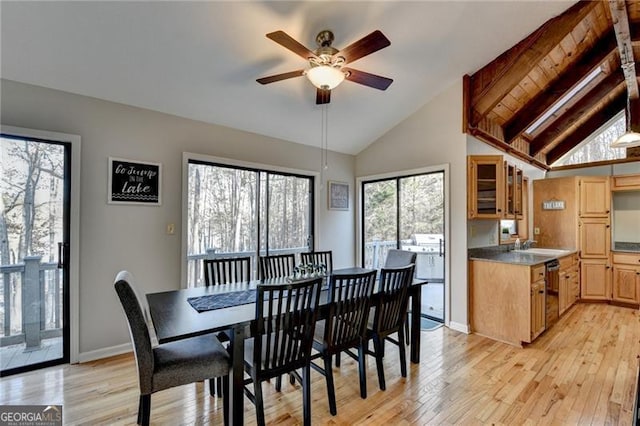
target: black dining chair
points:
(227, 270)
(345, 326)
(169, 364)
(277, 266)
(319, 258)
(390, 316)
(282, 339)
(396, 258)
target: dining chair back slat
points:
(276, 266)
(318, 258)
(227, 270)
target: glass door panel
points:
(421, 210)
(487, 190)
(380, 221)
(286, 213)
(34, 252)
(221, 216)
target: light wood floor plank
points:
(583, 371)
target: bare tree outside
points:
(31, 178)
(597, 147)
(234, 212)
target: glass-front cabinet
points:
(513, 192)
(485, 197)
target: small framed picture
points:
(134, 182)
(338, 195)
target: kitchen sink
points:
(546, 251)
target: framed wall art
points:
(134, 182)
(338, 195)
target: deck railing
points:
(31, 302)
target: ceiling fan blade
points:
(278, 77)
(290, 43)
(365, 46)
(323, 96)
(366, 79)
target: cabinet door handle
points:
(541, 291)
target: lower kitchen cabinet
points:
(595, 279)
(626, 278)
(538, 309)
(569, 285)
(507, 300)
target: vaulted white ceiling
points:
(200, 60)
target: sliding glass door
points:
(34, 252)
(407, 212)
(234, 211)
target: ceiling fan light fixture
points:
(627, 140)
(325, 76)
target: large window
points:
(235, 211)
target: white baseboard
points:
(463, 328)
(104, 352)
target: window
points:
(239, 211)
(597, 146)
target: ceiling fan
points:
(327, 64)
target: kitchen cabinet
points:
(569, 286)
(538, 308)
(595, 279)
(595, 196)
(513, 192)
(625, 183)
(485, 183)
(507, 300)
(595, 237)
(626, 278)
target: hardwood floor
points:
(583, 371)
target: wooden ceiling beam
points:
(572, 76)
(591, 125)
(623, 35)
(536, 47)
(577, 111)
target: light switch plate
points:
(171, 229)
(536, 231)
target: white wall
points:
(114, 237)
(626, 216)
(432, 136)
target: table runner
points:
(210, 302)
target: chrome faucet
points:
(528, 244)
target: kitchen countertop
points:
(513, 257)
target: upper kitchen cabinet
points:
(595, 196)
(513, 192)
(486, 184)
(625, 183)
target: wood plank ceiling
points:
(592, 49)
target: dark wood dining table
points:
(174, 318)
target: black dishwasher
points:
(552, 280)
